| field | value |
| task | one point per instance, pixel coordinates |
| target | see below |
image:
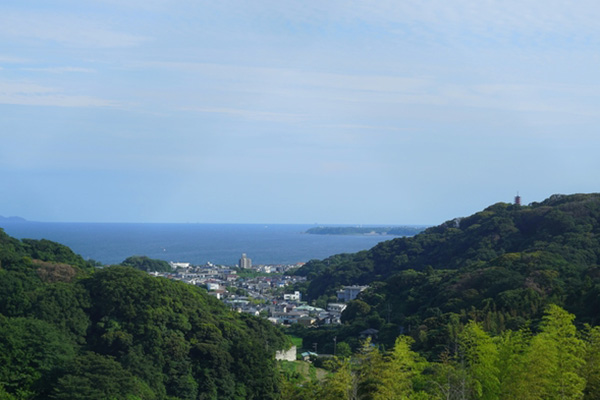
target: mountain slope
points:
(502, 265)
(70, 331)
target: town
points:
(262, 290)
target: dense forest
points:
(556, 362)
(501, 304)
(69, 330)
(501, 267)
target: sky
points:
(327, 112)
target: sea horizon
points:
(197, 243)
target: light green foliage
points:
(339, 386)
(343, 350)
(368, 370)
(511, 363)
(555, 359)
(401, 367)
(481, 355)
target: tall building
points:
(245, 262)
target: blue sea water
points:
(111, 243)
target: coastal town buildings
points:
(261, 290)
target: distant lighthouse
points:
(517, 199)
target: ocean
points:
(111, 243)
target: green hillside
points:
(501, 266)
(69, 331)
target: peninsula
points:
(366, 230)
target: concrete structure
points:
(292, 297)
(245, 262)
(287, 355)
(336, 307)
(349, 293)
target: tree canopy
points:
(69, 331)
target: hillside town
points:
(262, 290)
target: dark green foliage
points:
(118, 333)
(147, 264)
(96, 377)
(46, 250)
(195, 345)
(501, 266)
(31, 352)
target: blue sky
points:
(359, 112)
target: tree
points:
(555, 358)
(401, 367)
(591, 370)
(31, 351)
(93, 376)
(511, 363)
(341, 385)
(369, 370)
(481, 356)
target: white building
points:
(348, 293)
(296, 296)
(336, 307)
(245, 262)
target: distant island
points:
(12, 219)
(364, 230)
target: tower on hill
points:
(517, 199)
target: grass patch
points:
(297, 341)
(301, 371)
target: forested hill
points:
(71, 331)
(504, 263)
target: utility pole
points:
(334, 344)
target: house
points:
(307, 321)
(296, 296)
(336, 307)
(217, 293)
(348, 293)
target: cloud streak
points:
(30, 94)
(60, 70)
(68, 30)
(251, 114)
